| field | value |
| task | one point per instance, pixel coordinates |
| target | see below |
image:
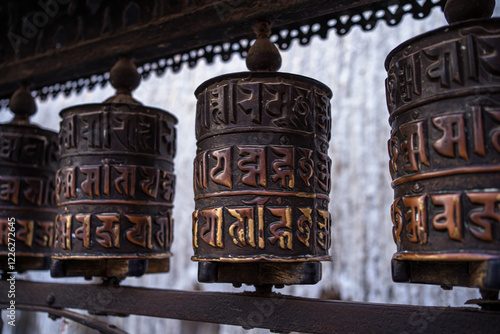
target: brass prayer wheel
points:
(115, 185)
(28, 163)
(443, 95)
(262, 174)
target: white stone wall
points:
(362, 245)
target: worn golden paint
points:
(288, 212)
(27, 232)
(219, 241)
(195, 229)
(68, 228)
(85, 228)
(260, 214)
(251, 232)
(117, 235)
(306, 217)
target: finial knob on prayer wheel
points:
(462, 10)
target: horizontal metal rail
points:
(273, 311)
(54, 313)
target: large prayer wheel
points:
(443, 94)
(115, 186)
(28, 163)
(262, 178)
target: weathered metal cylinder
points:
(262, 179)
(114, 190)
(443, 95)
(28, 164)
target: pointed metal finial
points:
(263, 55)
(125, 78)
(22, 105)
(462, 10)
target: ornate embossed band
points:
(115, 185)
(262, 171)
(28, 162)
(443, 94)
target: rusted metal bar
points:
(102, 327)
(252, 310)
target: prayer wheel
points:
(28, 163)
(115, 185)
(262, 174)
(443, 95)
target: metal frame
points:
(261, 309)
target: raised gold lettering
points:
(222, 173)
(253, 164)
(26, 233)
(140, 234)
(284, 168)
(248, 97)
(306, 165)
(397, 221)
(417, 217)
(125, 183)
(495, 133)
(211, 231)
(68, 132)
(150, 184)
(83, 232)
(67, 182)
(200, 172)
(9, 189)
(91, 185)
(195, 229)
(108, 235)
(244, 226)
(63, 231)
(324, 225)
(4, 232)
(45, 234)
(413, 146)
(164, 234)
(304, 226)
(324, 166)
(446, 66)
(392, 147)
(483, 219)
(167, 186)
(281, 230)
(453, 128)
(451, 218)
(34, 192)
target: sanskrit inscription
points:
(460, 216)
(452, 61)
(114, 181)
(113, 231)
(261, 226)
(262, 167)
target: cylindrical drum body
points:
(28, 164)
(443, 95)
(262, 171)
(114, 190)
